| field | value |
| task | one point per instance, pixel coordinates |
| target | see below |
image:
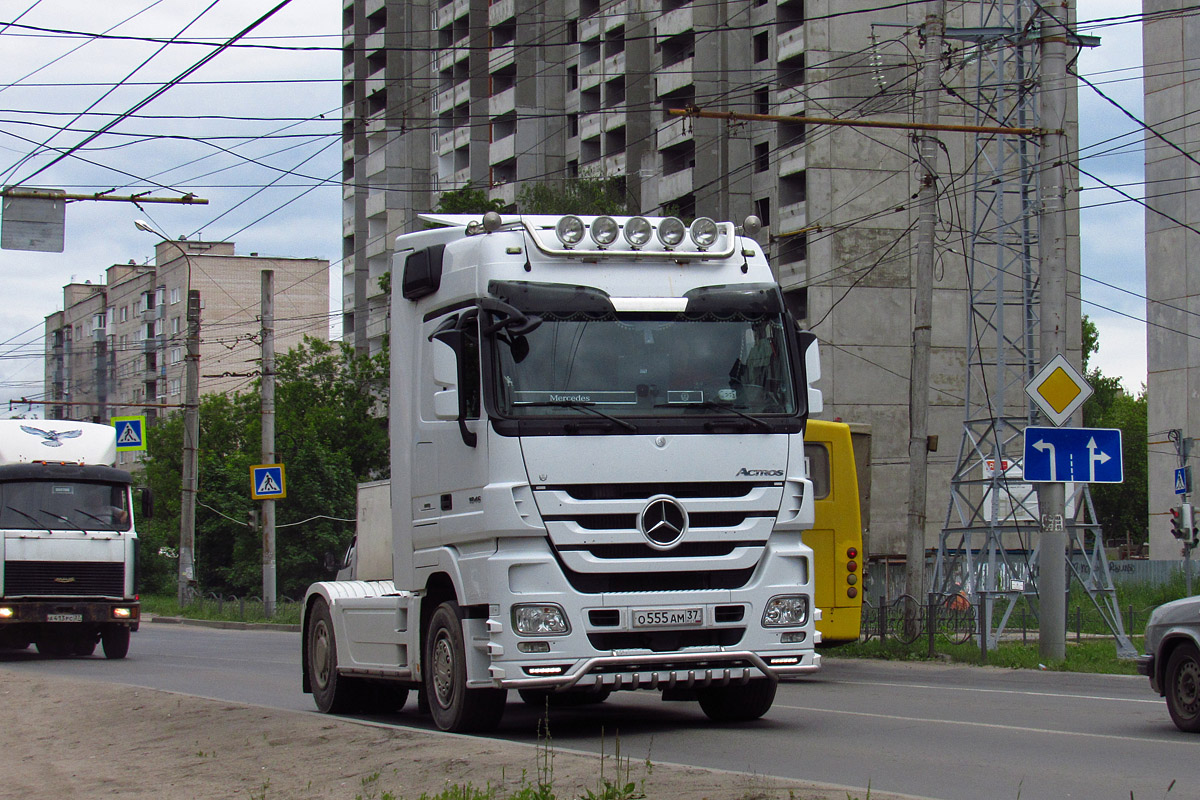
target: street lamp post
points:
(191, 430)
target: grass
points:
(1090, 655)
(227, 609)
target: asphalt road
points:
(940, 731)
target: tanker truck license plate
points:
(667, 617)
(64, 617)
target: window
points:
(174, 387)
(762, 47)
(174, 325)
(762, 157)
(176, 355)
(124, 313)
(174, 296)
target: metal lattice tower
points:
(988, 547)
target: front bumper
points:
(66, 612)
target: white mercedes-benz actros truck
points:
(598, 477)
(67, 539)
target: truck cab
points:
(598, 476)
(67, 539)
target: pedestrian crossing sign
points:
(131, 433)
(267, 482)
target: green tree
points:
(587, 194)
(331, 433)
(467, 200)
(1121, 508)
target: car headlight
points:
(540, 620)
(785, 610)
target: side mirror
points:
(445, 363)
(147, 502)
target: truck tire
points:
(115, 641)
(1182, 687)
(333, 693)
(737, 703)
(453, 706)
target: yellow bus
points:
(837, 535)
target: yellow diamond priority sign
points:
(1058, 390)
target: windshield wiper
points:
(28, 516)
(580, 406)
(714, 404)
(93, 516)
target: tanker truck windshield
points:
(705, 358)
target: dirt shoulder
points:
(75, 738)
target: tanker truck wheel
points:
(333, 693)
(115, 641)
(455, 707)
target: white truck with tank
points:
(597, 477)
(67, 539)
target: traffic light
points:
(1181, 523)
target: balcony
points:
(792, 217)
(677, 184)
(614, 164)
(609, 67)
(676, 22)
(672, 132)
(502, 150)
(445, 143)
(501, 57)
(506, 193)
(591, 27)
(791, 160)
(503, 102)
(675, 77)
(445, 15)
(790, 102)
(790, 44)
(590, 125)
(453, 54)
(501, 10)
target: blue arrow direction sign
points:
(1082, 455)
(267, 482)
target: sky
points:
(255, 131)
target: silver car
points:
(1172, 660)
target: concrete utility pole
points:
(191, 440)
(1052, 578)
(268, 436)
(918, 383)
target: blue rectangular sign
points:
(1078, 455)
(1183, 480)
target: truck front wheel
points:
(333, 693)
(455, 707)
(1183, 688)
(115, 641)
(737, 703)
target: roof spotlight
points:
(605, 231)
(570, 230)
(638, 231)
(704, 232)
(671, 231)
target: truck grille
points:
(64, 579)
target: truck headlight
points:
(540, 620)
(784, 610)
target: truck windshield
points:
(647, 365)
(64, 505)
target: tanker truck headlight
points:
(6, 612)
(784, 610)
(540, 620)
(120, 612)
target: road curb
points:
(225, 624)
